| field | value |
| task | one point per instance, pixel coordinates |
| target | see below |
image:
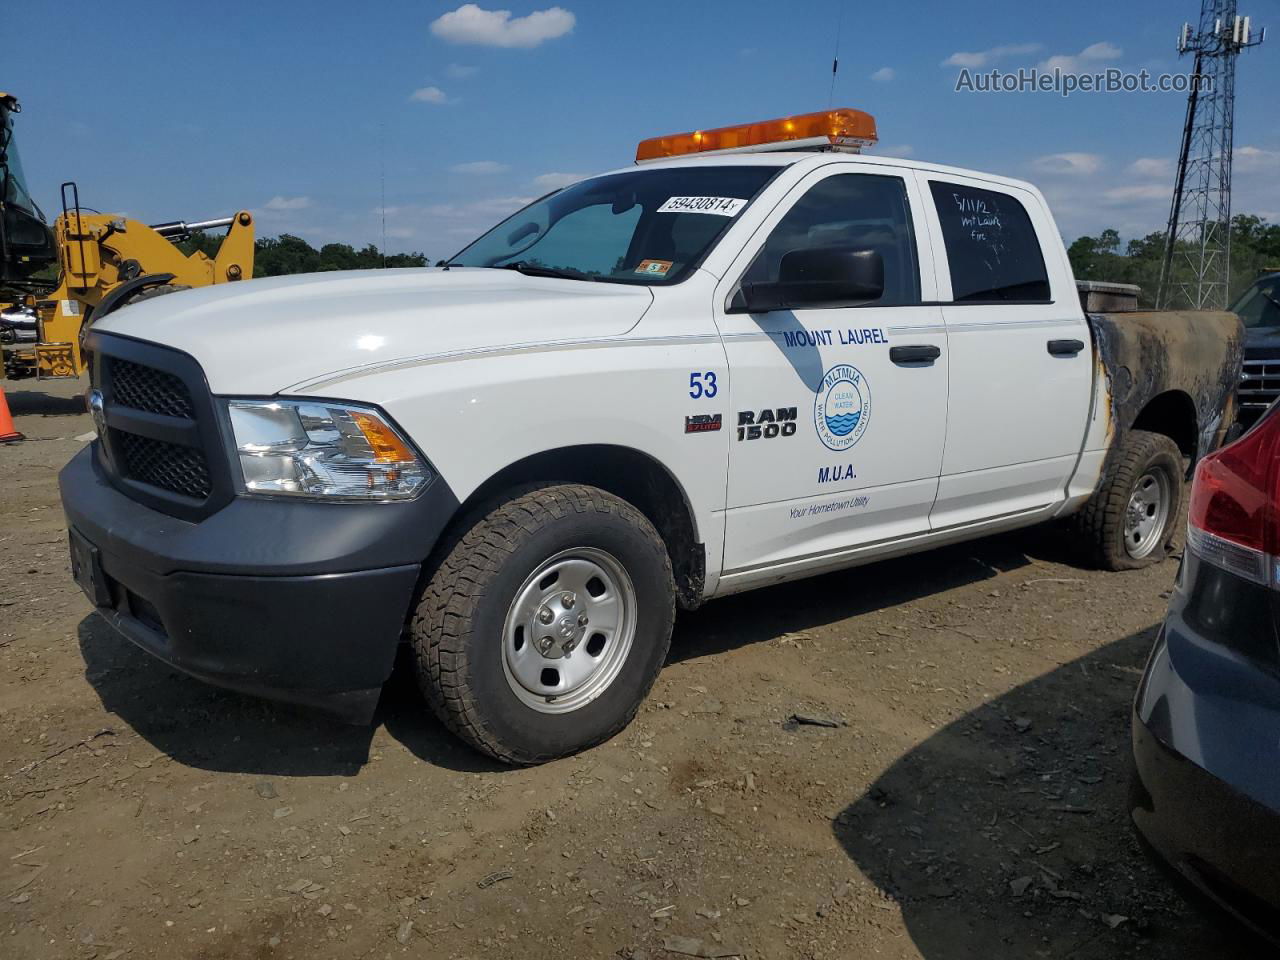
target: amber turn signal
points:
(387, 446)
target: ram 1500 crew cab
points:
(652, 388)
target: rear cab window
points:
(992, 249)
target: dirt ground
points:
(971, 804)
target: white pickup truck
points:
(654, 387)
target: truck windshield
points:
(15, 184)
(1259, 306)
(642, 226)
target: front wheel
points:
(1131, 520)
(545, 622)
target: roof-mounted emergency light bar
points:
(841, 129)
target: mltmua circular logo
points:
(842, 408)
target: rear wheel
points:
(545, 622)
(1131, 521)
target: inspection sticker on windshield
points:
(720, 206)
(654, 268)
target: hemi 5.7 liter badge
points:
(703, 423)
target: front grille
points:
(162, 441)
(149, 390)
(168, 466)
(1259, 383)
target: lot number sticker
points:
(720, 206)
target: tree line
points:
(1255, 248)
(285, 254)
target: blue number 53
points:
(703, 384)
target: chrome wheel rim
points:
(1147, 513)
(569, 630)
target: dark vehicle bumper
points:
(297, 601)
(1206, 790)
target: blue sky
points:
(167, 111)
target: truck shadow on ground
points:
(205, 727)
(771, 612)
(212, 729)
(1006, 833)
(38, 403)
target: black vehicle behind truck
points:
(1259, 310)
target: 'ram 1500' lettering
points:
(767, 424)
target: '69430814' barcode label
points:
(720, 206)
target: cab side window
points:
(850, 210)
(991, 246)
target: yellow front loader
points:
(107, 261)
(102, 262)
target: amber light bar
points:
(833, 128)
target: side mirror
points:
(816, 277)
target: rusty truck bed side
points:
(1170, 358)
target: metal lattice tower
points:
(1196, 271)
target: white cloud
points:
(487, 208)
(883, 75)
(1152, 167)
(429, 95)
(1069, 164)
(480, 167)
(982, 58)
(288, 203)
(1249, 159)
(1124, 197)
(459, 71)
(1074, 63)
(554, 181)
(500, 206)
(1138, 192)
(471, 24)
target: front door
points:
(838, 414)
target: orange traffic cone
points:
(8, 433)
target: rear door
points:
(837, 433)
(1021, 356)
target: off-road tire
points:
(457, 628)
(1101, 523)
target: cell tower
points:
(1197, 248)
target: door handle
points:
(921, 353)
(1065, 348)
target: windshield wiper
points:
(530, 269)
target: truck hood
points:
(1261, 343)
(265, 336)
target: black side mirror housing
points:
(816, 277)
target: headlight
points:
(311, 448)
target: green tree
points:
(1255, 247)
(337, 256)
